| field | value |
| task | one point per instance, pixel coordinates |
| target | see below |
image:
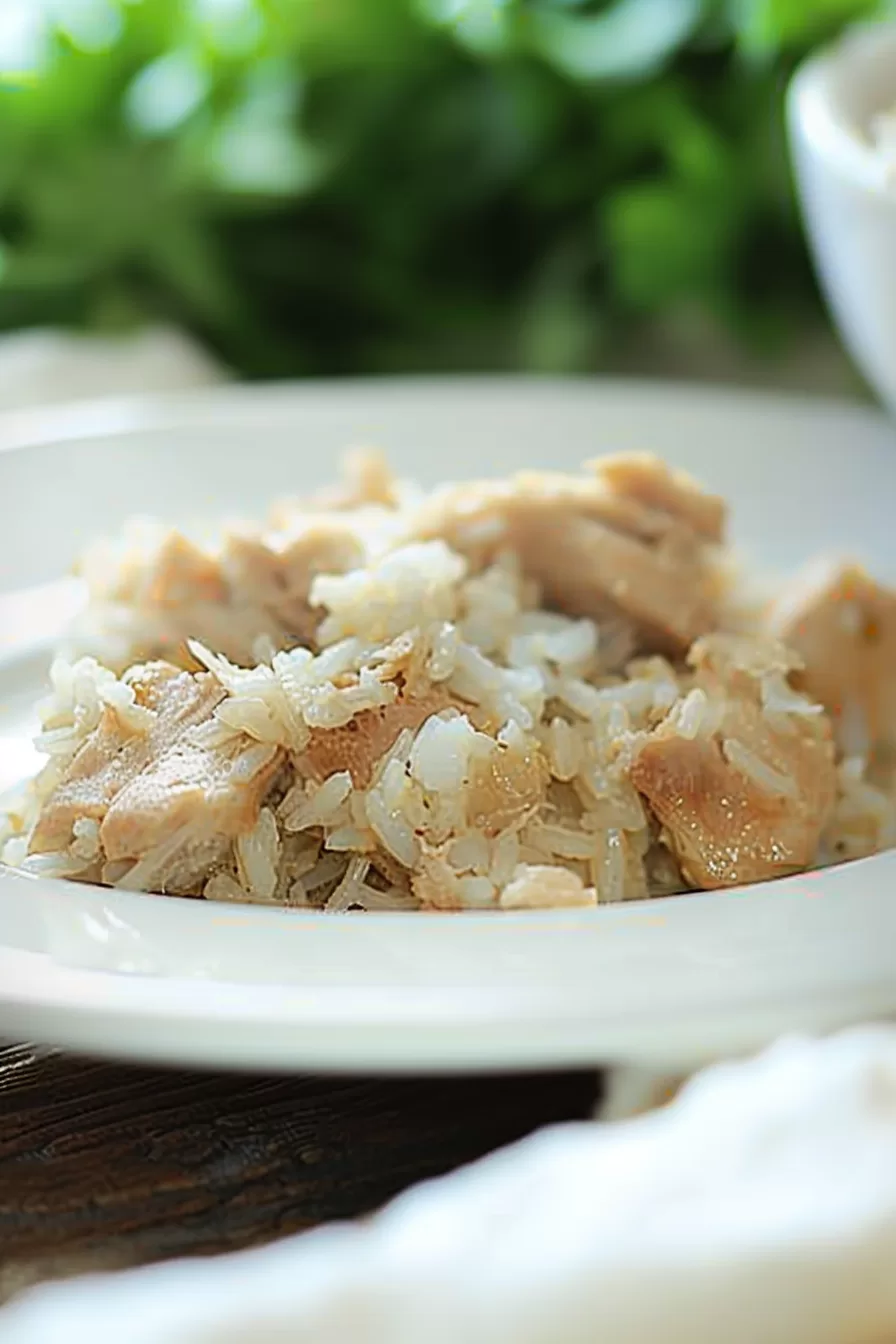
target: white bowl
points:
(665, 984)
(848, 192)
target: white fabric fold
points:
(759, 1206)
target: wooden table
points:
(103, 1165)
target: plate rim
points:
(107, 417)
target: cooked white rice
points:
(511, 793)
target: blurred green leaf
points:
(629, 40)
(343, 33)
(560, 324)
(666, 241)
(257, 146)
(91, 25)
(166, 93)
(231, 28)
(335, 185)
(481, 25)
(767, 25)
(181, 257)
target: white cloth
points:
(41, 367)
(758, 1208)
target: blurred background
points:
(316, 187)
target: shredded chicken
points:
(273, 576)
(254, 589)
(181, 573)
(164, 795)
(647, 479)
(113, 755)
(507, 788)
(633, 539)
(359, 745)
(843, 626)
(366, 480)
(745, 796)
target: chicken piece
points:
(217, 791)
(742, 791)
(359, 745)
(367, 480)
(156, 590)
(632, 539)
(507, 787)
(183, 573)
(276, 579)
(113, 755)
(646, 478)
(150, 563)
(163, 798)
(843, 626)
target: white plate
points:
(665, 983)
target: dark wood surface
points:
(103, 1165)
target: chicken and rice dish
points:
(551, 690)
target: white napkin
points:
(759, 1206)
(40, 367)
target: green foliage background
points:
(319, 186)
